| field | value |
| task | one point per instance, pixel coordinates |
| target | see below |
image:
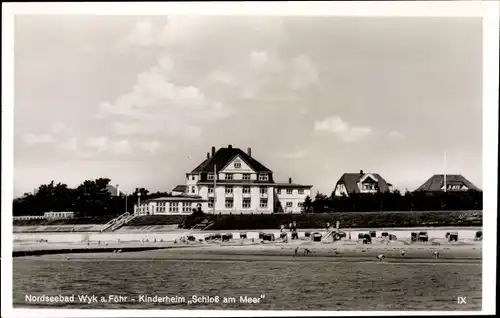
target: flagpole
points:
(215, 184)
(445, 171)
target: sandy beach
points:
(296, 250)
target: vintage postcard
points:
(249, 159)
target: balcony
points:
(228, 194)
(263, 195)
(211, 194)
(246, 194)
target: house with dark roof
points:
(450, 182)
(362, 182)
(231, 180)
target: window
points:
(174, 207)
(211, 203)
(210, 176)
(246, 203)
(263, 177)
(229, 176)
(368, 186)
(278, 191)
(210, 189)
(289, 191)
(289, 204)
(229, 190)
(186, 207)
(192, 177)
(246, 176)
(263, 203)
(263, 190)
(229, 203)
(192, 190)
(246, 189)
(300, 204)
(237, 164)
(161, 207)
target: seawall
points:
(20, 238)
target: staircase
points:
(202, 226)
(118, 222)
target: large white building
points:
(230, 180)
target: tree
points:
(307, 207)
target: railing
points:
(114, 221)
(123, 221)
(202, 226)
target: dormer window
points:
(263, 177)
(210, 176)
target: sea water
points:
(277, 284)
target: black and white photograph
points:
(193, 160)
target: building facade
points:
(174, 205)
(361, 182)
(230, 180)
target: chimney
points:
(208, 155)
(361, 172)
(249, 151)
(213, 151)
(230, 146)
(290, 180)
(117, 190)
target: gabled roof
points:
(222, 158)
(436, 182)
(180, 188)
(350, 180)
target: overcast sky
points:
(142, 99)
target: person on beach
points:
(436, 254)
(296, 250)
(381, 257)
(403, 253)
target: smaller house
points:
(179, 190)
(362, 182)
(452, 182)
